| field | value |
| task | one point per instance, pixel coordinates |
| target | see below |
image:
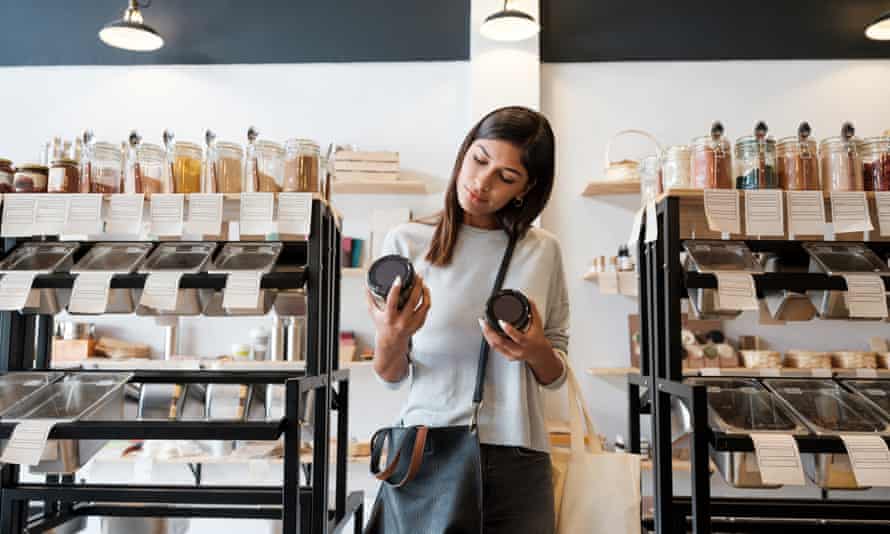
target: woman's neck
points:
(484, 222)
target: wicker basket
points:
(807, 359)
(883, 359)
(854, 360)
(626, 170)
(761, 358)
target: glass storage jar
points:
(64, 177)
(187, 159)
(841, 162)
(264, 165)
(712, 160)
(103, 173)
(675, 168)
(755, 160)
(229, 167)
(876, 163)
(148, 173)
(30, 178)
(797, 161)
(650, 178)
(7, 175)
(301, 166)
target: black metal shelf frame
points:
(662, 287)
(313, 264)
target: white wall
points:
(589, 102)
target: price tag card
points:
(256, 213)
(166, 214)
(764, 213)
(25, 446)
(52, 210)
(870, 459)
(820, 372)
(711, 371)
(635, 229)
(770, 372)
(608, 282)
(849, 212)
(19, 213)
(14, 289)
(242, 290)
(778, 459)
(205, 214)
(806, 212)
(295, 213)
(866, 296)
(90, 293)
(84, 216)
(882, 200)
(722, 210)
(161, 290)
(736, 291)
(125, 214)
(651, 222)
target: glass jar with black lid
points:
(511, 307)
(383, 273)
(755, 158)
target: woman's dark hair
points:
(529, 131)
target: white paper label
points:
(882, 200)
(778, 459)
(242, 290)
(295, 213)
(870, 459)
(849, 212)
(651, 222)
(84, 216)
(205, 214)
(635, 228)
(820, 372)
(25, 446)
(806, 213)
(736, 291)
(51, 212)
(770, 372)
(866, 373)
(90, 293)
(710, 371)
(764, 213)
(166, 214)
(608, 283)
(14, 289)
(125, 214)
(161, 290)
(722, 210)
(866, 296)
(19, 214)
(256, 213)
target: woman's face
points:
(491, 176)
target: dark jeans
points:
(517, 491)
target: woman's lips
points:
(474, 197)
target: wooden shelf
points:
(678, 465)
(354, 272)
(627, 283)
(604, 187)
(612, 371)
(394, 187)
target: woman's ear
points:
(529, 186)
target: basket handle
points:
(625, 132)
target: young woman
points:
(501, 181)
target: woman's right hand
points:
(396, 326)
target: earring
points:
(518, 202)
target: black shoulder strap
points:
(484, 349)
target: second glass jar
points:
(302, 166)
(876, 163)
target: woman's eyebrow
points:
(482, 148)
(487, 155)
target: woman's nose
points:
(484, 181)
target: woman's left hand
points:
(530, 346)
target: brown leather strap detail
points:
(390, 469)
(416, 456)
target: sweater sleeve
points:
(392, 245)
(556, 328)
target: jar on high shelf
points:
(676, 167)
(186, 166)
(30, 178)
(264, 167)
(712, 160)
(841, 162)
(7, 175)
(755, 160)
(797, 161)
(302, 166)
(650, 178)
(876, 163)
(102, 172)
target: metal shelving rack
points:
(25, 345)
(663, 285)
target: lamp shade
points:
(879, 30)
(509, 25)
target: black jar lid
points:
(510, 306)
(384, 271)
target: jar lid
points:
(845, 139)
(63, 161)
(877, 142)
(677, 151)
(793, 141)
(510, 306)
(229, 147)
(269, 147)
(301, 143)
(33, 167)
(5, 162)
(384, 271)
(150, 149)
(187, 147)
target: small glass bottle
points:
(64, 177)
(302, 166)
(30, 178)
(841, 162)
(755, 160)
(876, 163)
(797, 161)
(650, 178)
(712, 160)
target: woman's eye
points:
(507, 180)
(478, 160)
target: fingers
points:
(392, 299)
(536, 316)
(512, 332)
(416, 294)
(419, 317)
(504, 345)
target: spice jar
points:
(301, 166)
(30, 178)
(876, 163)
(797, 161)
(64, 177)
(229, 167)
(7, 175)
(149, 174)
(265, 167)
(509, 306)
(841, 162)
(755, 160)
(650, 178)
(104, 169)
(383, 273)
(675, 167)
(186, 167)
(712, 160)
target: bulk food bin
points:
(741, 406)
(876, 392)
(121, 258)
(76, 397)
(839, 259)
(15, 387)
(245, 257)
(715, 256)
(828, 409)
(41, 258)
(184, 257)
